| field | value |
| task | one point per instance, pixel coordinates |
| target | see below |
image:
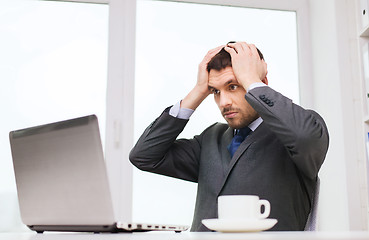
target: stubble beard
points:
(242, 120)
(237, 123)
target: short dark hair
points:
(223, 59)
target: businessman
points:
(270, 147)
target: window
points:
(41, 68)
(172, 38)
(53, 66)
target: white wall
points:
(337, 97)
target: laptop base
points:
(66, 228)
(114, 228)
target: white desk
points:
(190, 236)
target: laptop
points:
(62, 181)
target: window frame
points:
(82, 1)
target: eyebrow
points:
(229, 82)
(225, 84)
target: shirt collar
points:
(255, 124)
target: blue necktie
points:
(238, 139)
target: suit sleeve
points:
(158, 151)
(303, 132)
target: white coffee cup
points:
(242, 207)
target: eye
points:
(233, 87)
(214, 91)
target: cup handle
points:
(266, 205)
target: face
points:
(230, 98)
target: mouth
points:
(230, 114)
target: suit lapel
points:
(241, 149)
(225, 156)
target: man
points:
(278, 159)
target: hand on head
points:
(203, 74)
(201, 90)
(247, 64)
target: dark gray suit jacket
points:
(279, 161)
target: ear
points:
(265, 80)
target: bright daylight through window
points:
(53, 66)
(172, 38)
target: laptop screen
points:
(61, 174)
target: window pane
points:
(53, 66)
(172, 38)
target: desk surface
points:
(189, 236)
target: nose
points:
(224, 100)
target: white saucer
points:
(237, 225)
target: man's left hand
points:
(246, 63)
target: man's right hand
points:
(201, 89)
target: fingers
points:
(211, 53)
(238, 47)
(242, 48)
(254, 50)
(246, 63)
(217, 49)
(233, 49)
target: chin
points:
(234, 125)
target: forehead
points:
(220, 78)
